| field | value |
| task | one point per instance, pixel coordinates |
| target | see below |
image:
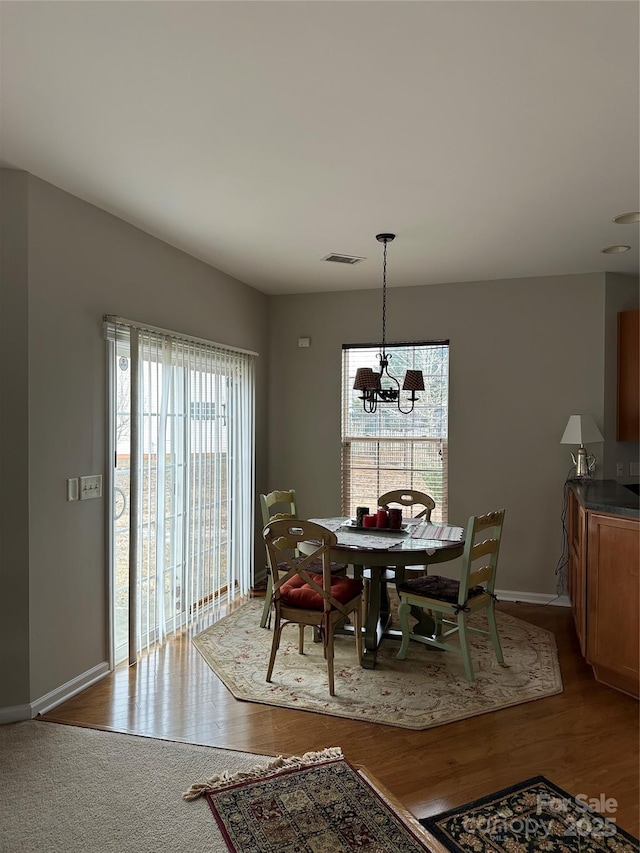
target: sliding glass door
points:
(182, 424)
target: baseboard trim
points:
(66, 691)
(15, 714)
(533, 597)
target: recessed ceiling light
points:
(615, 250)
(627, 218)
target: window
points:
(389, 450)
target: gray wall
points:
(83, 263)
(14, 448)
(525, 354)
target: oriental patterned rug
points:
(316, 803)
(426, 689)
(534, 815)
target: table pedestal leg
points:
(425, 624)
(377, 619)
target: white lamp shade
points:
(581, 429)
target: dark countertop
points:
(606, 496)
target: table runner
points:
(426, 530)
(420, 535)
(370, 540)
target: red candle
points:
(369, 520)
(382, 518)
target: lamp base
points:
(582, 468)
(584, 464)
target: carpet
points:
(316, 803)
(534, 815)
(426, 689)
(65, 789)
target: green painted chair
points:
(451, 601)
(409, 498)
(275, 505)
(406, 499)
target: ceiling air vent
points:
(342, 259)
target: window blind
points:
(389, 450)
(184, 449)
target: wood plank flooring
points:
(585, 739)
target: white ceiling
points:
(496, 139)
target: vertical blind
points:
(184, 451)
(389, 450)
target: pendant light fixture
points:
(382, 387)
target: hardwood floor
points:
(585, 739)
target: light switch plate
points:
(72, 489)
(91, 487)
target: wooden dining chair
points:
(450, 601)
(409, 498)
(276, 505)
(405, 499)
(302, 596)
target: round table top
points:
(390, 548)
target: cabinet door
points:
(628, 376)
(612, 619)
(576, 570)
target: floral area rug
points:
(534, 815)
(317, 803)
(426, 689)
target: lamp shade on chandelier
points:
(378, 387)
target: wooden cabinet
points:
(604, 588)
(628, 422)
(613, 565)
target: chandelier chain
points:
(384, 297)
(382, 386)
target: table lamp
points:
(581, 429)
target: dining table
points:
(384, 555)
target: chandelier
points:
(382, 387)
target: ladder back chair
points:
(303, 596)
(450, 601)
